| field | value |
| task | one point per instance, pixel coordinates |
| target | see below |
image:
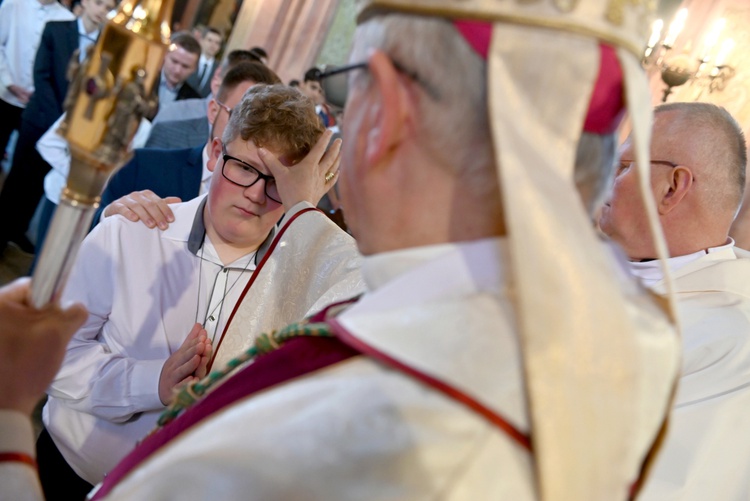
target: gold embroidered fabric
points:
(624, 23)
(598, 372)
(313, 265)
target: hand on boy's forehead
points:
(285, 158)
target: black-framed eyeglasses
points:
(245, 175)
(664, 162)
(341, 93)
(668, 163)
(224, 107)
(624, 162)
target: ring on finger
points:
(329, 175)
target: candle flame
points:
(656, 28)
(712, 37)
(675, 27)
(726, 47)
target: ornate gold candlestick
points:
(109, 93)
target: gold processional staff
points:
(109, 94)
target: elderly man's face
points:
(623, 217)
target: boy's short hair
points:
(277, 117)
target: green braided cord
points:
(265, 343)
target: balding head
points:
(698, 158)
(712, 140)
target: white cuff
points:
(145, 385)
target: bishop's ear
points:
(680, 182)
(389, 110)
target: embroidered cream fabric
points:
(313, 265)
(598, 373)
(623, 23)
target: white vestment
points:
(314, 263)
(707, 448)
(359, 430)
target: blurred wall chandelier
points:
(708, 70)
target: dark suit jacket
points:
(59, 41)
(179, 134)
(168, 173)
(187, 92)
(195, 79)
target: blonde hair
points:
(276, 117)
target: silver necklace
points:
(210, 314)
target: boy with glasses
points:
(155, 177)
(492, 318)
(146, 288)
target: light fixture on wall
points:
(710, 70)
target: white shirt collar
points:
(82, 30)
(184, 216)
(186, 228)
(380, 269)
(209, 253)
(650, 272)
(204, 60)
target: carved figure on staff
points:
(132, 105)
(75, 74)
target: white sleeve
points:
(95, 377)
(19, 481)
(54, 149)
(141, 135)
(6, 18)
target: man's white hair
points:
(454, 121)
